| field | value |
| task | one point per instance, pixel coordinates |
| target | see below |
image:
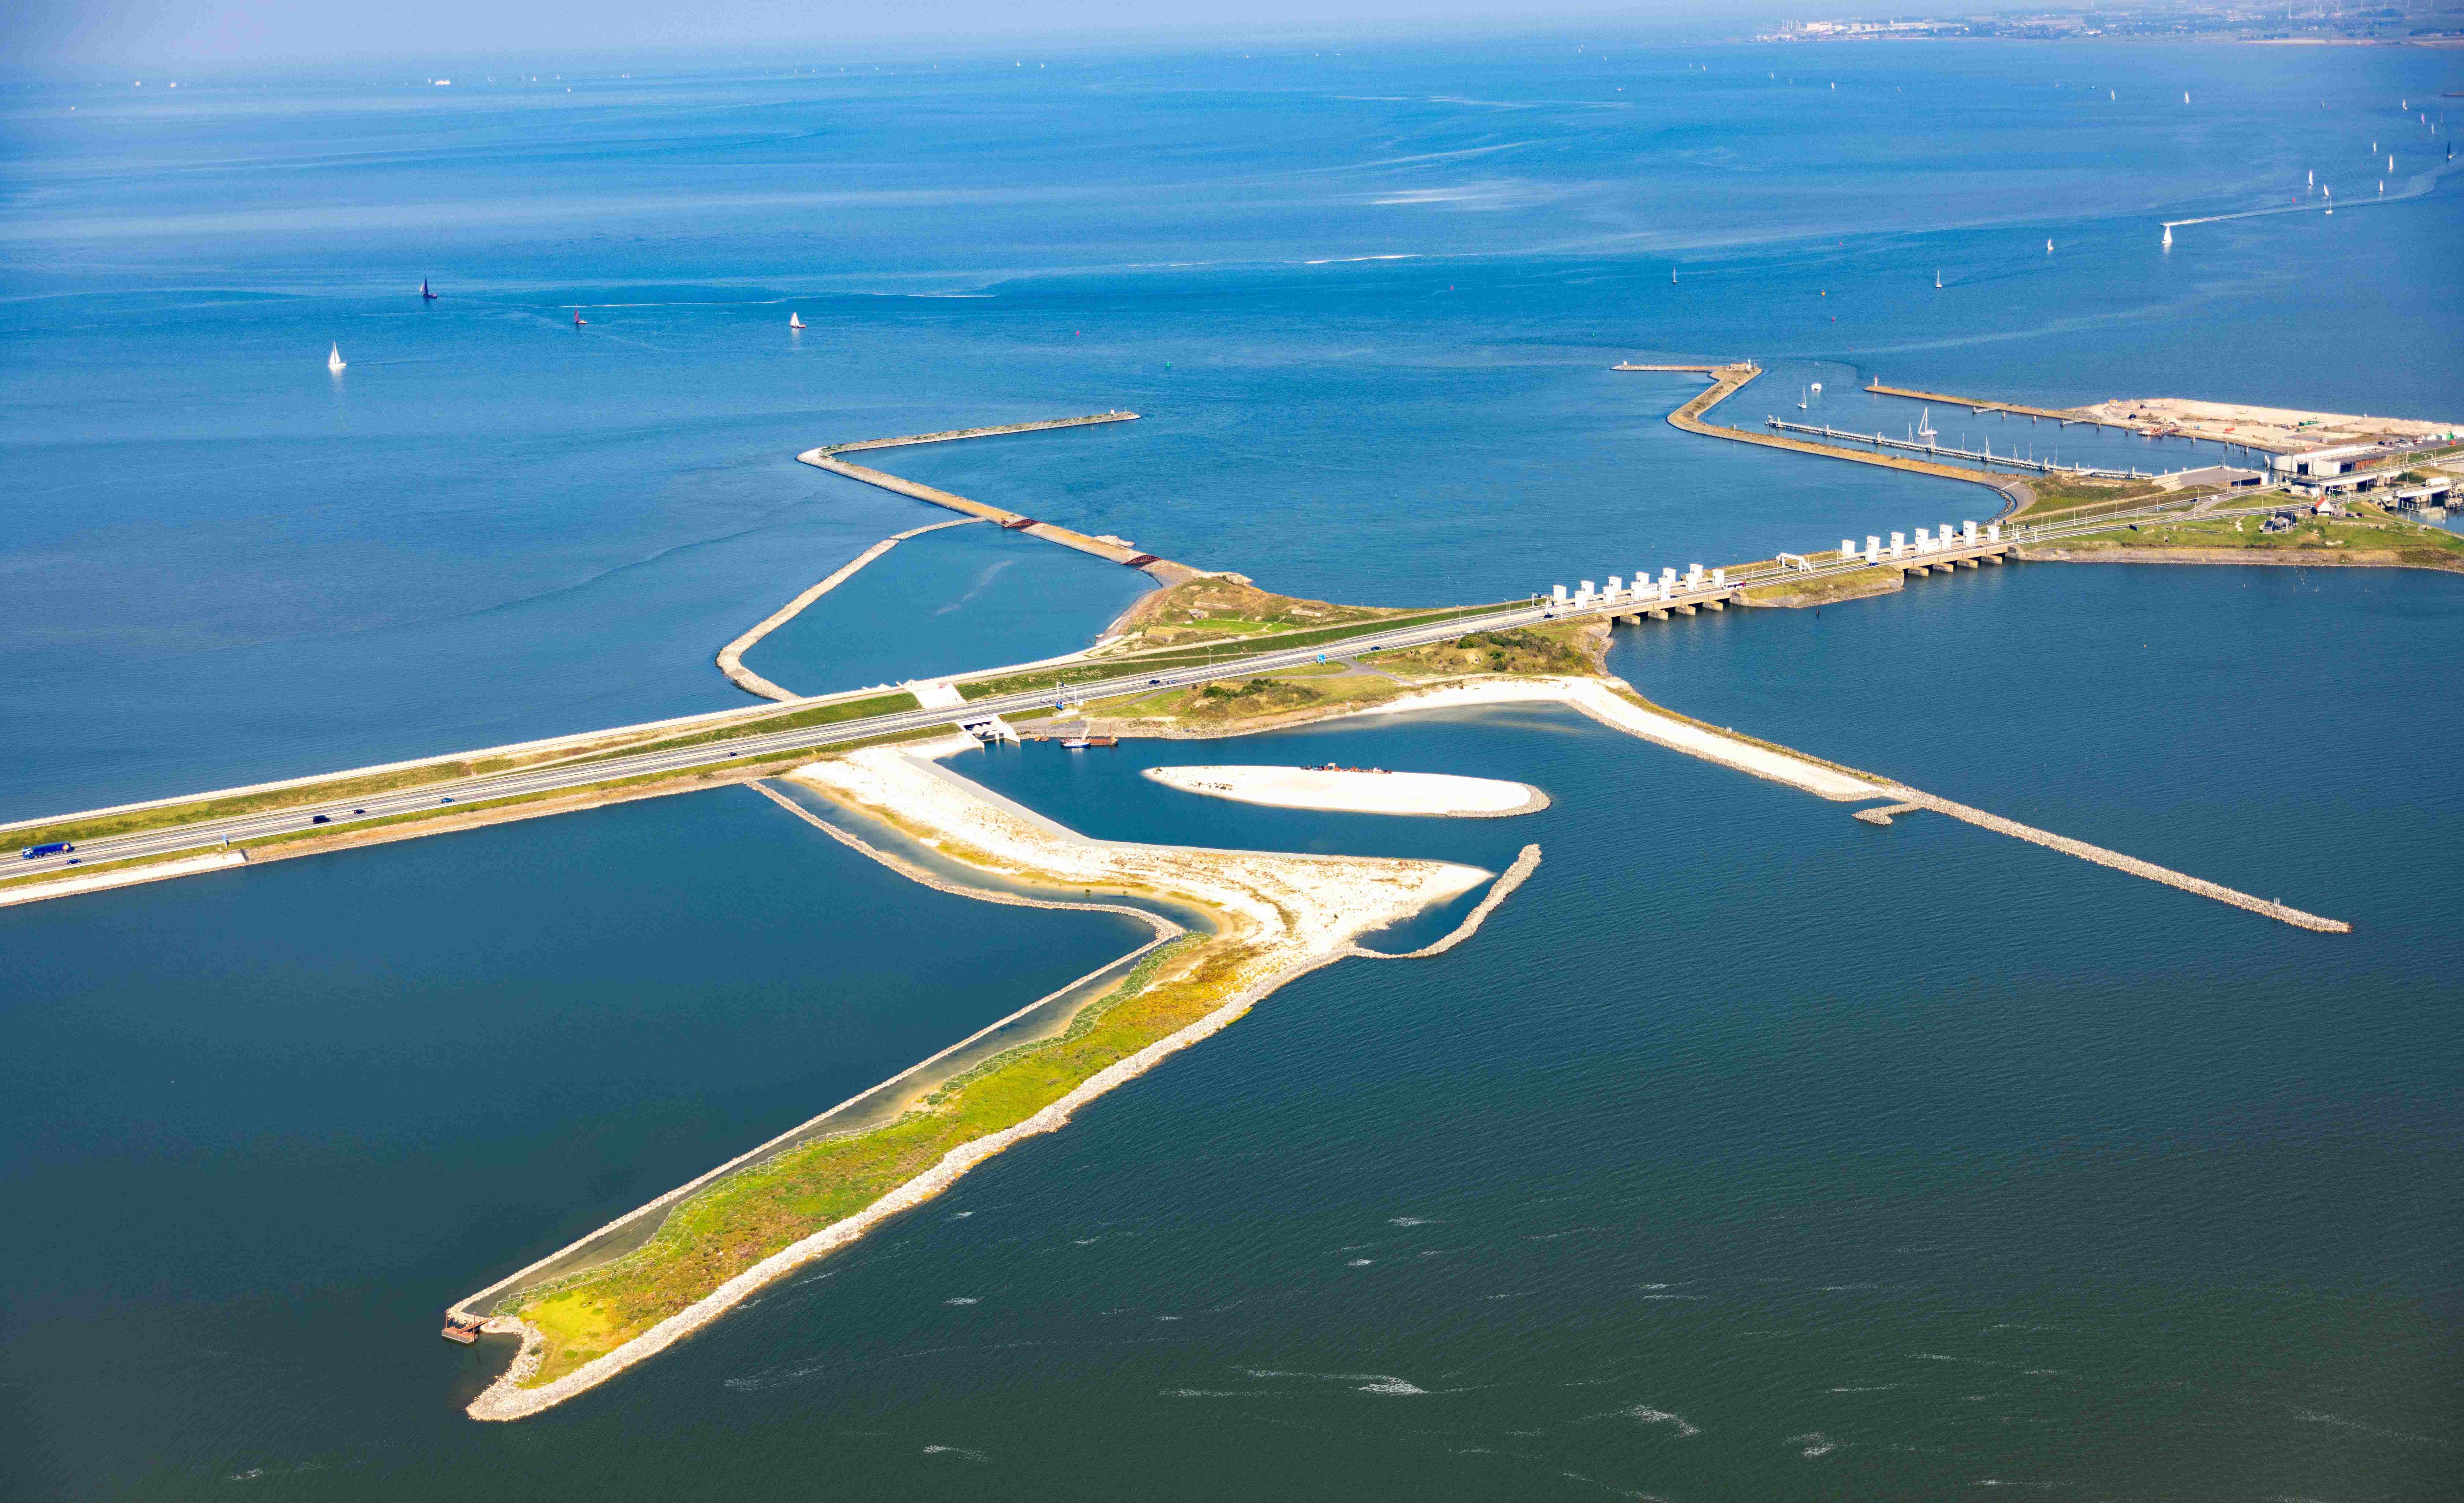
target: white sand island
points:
(1357, 790)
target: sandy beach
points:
(1279, 916)
(1356, 791)
(1604, 704)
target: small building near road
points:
(2224, 476)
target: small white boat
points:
(2168, 234)
(1808, 397)
(1818, 388)
(2049, 247)
(795, 322)
(578, 319)
(334, 360)
(425, 296)
(1937, 282)
(1924, 423)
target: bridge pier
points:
(1715, 605)
(1685, 611)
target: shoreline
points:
(2256, 558)
(1165, 931)
(1282, 916)
(1726, 381)
(505, 1400)
(1396, 794)
(730, 657)
(825, 457)
(1613, 703)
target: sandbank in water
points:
(1354, 790)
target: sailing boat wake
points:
(2414, 186)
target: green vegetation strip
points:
(2366, 531)
(820, 715)
(1097, 669)
(138, 820)
(733, 767)
(750, 1215)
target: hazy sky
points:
(208, 32)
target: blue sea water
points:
(1748, 1151)
(1366, 303)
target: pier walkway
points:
(730, 657)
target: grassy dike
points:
(338, 790)
(2366, 538)
(1095, 670)
(445, 819)
(745, 1218)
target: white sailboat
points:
(1802, 401)
(795, 322)
(1937, 282)
(334, 360)
(2048, 246)
(2168, 236)
(1924, 423)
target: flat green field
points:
(2368, 531)
(747, 1216)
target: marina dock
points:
(2040, 466)
(1728, 380)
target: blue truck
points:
(49, 849)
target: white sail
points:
(795, 320)
(334, 360)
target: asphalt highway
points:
(238, 831)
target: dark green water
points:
(1746, 1152)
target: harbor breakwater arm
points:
(730, 657)
(2281, 913)
(1728, 380)
(1271, 918)
(1613, 704)
(2062, 414)
(825, 457)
